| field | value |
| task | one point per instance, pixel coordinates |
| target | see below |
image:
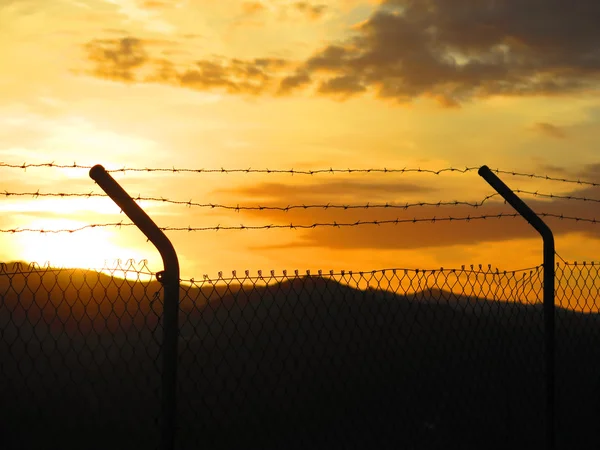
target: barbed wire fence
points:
(417, 358)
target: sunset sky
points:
(307, 85)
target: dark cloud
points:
(293, 82)
(456, 50)
(407, 235)
(344, 85)
(235, 76)
(449, 50)
(117, 59)
(550, 130)
(126, 59)
(163, 71)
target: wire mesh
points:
(578, 355)
(398, 358)
(79, 358)
(383, 359)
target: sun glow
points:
(86, 249)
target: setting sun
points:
(88, 249)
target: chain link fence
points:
(393, 358)
(79, 358)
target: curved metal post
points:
(536, 222)
(170, 279)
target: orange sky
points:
(304, 85)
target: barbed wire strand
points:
(292, 226)
(191, 203)
(331, 170)
(237, 208)
(292, 171)
(545, 177)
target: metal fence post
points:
(536, 222)
(170, 280)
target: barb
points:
(238, 208)
(292, 226)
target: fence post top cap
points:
(96, 170)
(483, 169)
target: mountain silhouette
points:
(307, 362)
